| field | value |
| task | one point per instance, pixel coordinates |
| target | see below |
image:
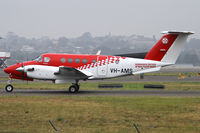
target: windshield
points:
(38, 58)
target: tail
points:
(169, 47)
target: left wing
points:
(73, 73)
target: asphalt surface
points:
(147, 78)
(165, 93)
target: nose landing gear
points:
(9, 87)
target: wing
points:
(73, 73)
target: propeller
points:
(23, 71)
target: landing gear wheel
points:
(9, 88)
(77, 86)
(73, 88)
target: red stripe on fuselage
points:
(160, 49)
(55, 60)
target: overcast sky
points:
(71, 18)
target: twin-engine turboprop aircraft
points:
(64, 68)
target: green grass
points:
(94, 85)
(100, 114)
(4, 78)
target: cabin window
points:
(94, 61)
(84, 61)
(63, 60)
(70, 60)
(77, 60)
(46, 59)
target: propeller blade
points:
(23, 71)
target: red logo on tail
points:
(165, 40)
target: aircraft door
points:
(102, 66)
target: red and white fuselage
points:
(97, 66)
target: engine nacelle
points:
(41, 72)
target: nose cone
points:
(8, 70)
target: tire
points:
(77, 86)
(9, 88)
(73, 89)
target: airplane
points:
(71, 68)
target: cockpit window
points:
(46, 59)
(38, 59)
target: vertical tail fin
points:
(169, 47)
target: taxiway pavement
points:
(160, 93)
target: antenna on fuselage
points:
(98, 52)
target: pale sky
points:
(71, 18)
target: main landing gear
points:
(9, 87)
(74, 88)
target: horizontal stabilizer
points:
(177, 32)
(147, 70)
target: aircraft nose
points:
(7, 70)
(10, 69)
